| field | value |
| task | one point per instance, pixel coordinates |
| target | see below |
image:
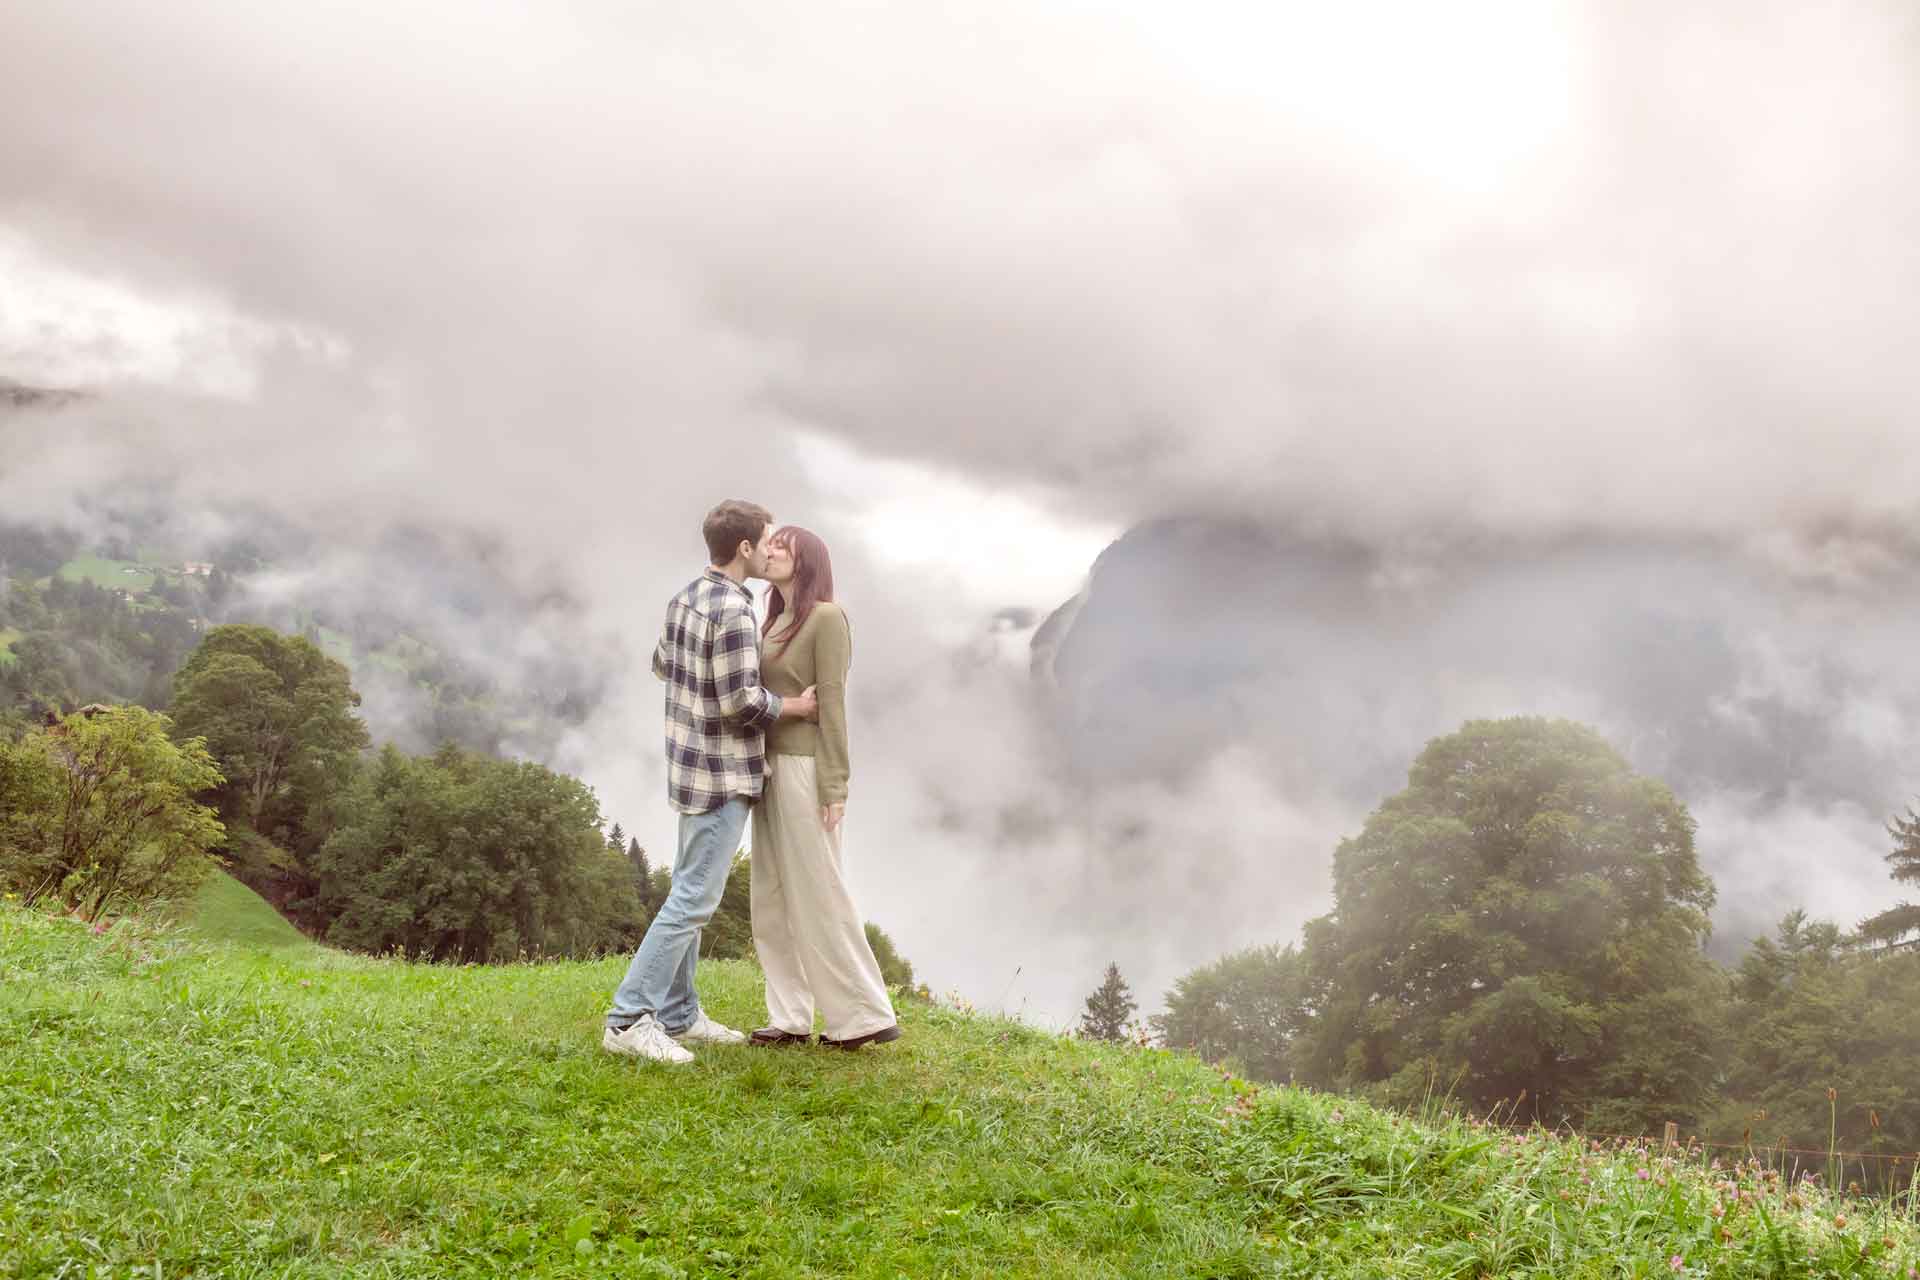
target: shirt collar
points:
(714, 575)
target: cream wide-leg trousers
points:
(811, 941)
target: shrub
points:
(894, 969)
(98, 812)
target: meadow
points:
(123, 574)
(220, 1096)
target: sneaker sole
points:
(619, 1052)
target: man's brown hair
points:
(730, 524)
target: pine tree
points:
(1897, 925)
(642, 873)
(617, 839)
(1108, 1008)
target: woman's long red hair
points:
(811, 583)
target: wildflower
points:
(1642, 1174)
(1676, 1262)
(1840, 1220)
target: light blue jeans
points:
(660, 979)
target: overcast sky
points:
(970, 291)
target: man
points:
(717, 719)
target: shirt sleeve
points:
(832, 656)
(736, 674)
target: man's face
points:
(757, 554)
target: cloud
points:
(556, 279)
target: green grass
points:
(107, 573)
(7, 636)
(171, 1105)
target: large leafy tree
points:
(457, 856)
(1899, 925)
(1525, 918)
(278, 716)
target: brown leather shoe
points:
(884, 1035)
(772, 1037)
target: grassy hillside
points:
(227, 911)
(7, 636)
(174, 1106)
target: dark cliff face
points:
(1718, 671)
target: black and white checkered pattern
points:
(717, 713)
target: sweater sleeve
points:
(832, 655)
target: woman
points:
(812, 944)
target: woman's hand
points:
(830, 815)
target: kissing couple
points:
(766, 737)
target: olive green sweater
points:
(819, 656)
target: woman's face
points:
(779, 564)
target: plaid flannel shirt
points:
(717, 713)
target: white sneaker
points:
(706, 1031)
(644, 1039)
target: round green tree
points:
(1524, 922)
(278, 716)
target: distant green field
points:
(107, 573)
(7, 636)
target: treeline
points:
(263, 762)
(1522, 929)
